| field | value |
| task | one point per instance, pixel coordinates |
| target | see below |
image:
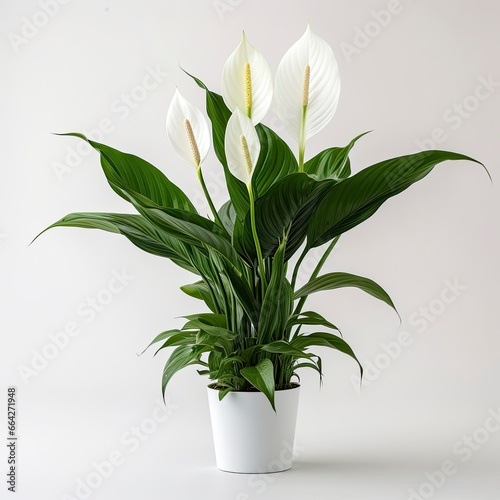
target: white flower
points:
(187, 130)
(307, 87)
(242, 146)
(247, 82)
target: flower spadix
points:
(242, 146)
(307, 87)
(247, 82)
(187, 130)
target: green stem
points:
(297, 265)
(256, 241)
(316, 271)
(209, 199)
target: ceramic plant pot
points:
(249, 436)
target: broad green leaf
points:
(214, 342)
(201, 291)
(331, 281)
(227, 215)
(332, 163)
(215, 331)
(276, 161)
(133, 174)
(322, 339)
(223, 393)
(261, 376)
(285, 348)
(141, 232)
(219, 320)
(354, 200)
(193, 231)
(285, 203)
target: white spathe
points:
(249, 436)
(191, 146)
(234, 81)
(242, 146)
(324, 86)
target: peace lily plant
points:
(254, 333)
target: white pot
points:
(249, 437)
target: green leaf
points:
(331, 281)
(219, 320)
(322, 339)
(214, 343)
(201, 291)
(285, 204)
(285, 348)
(181, 357)
(352, 201)
(277, 304)
(136, 229)
(215, 331)
(181, 338)
(133, 174)
(223, 393)
(193, 230)
(332, 163)
(261, 376)
(312, 365)
(227, 215)
(240, 284)
(160, 337)
(276, 161)
(310, 318)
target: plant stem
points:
(256, 241)
(316, 271)
(209, 199)
(297, 265)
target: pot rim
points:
(295, 385)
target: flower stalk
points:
(262, 271)
(208, 198)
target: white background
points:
(402, 81)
